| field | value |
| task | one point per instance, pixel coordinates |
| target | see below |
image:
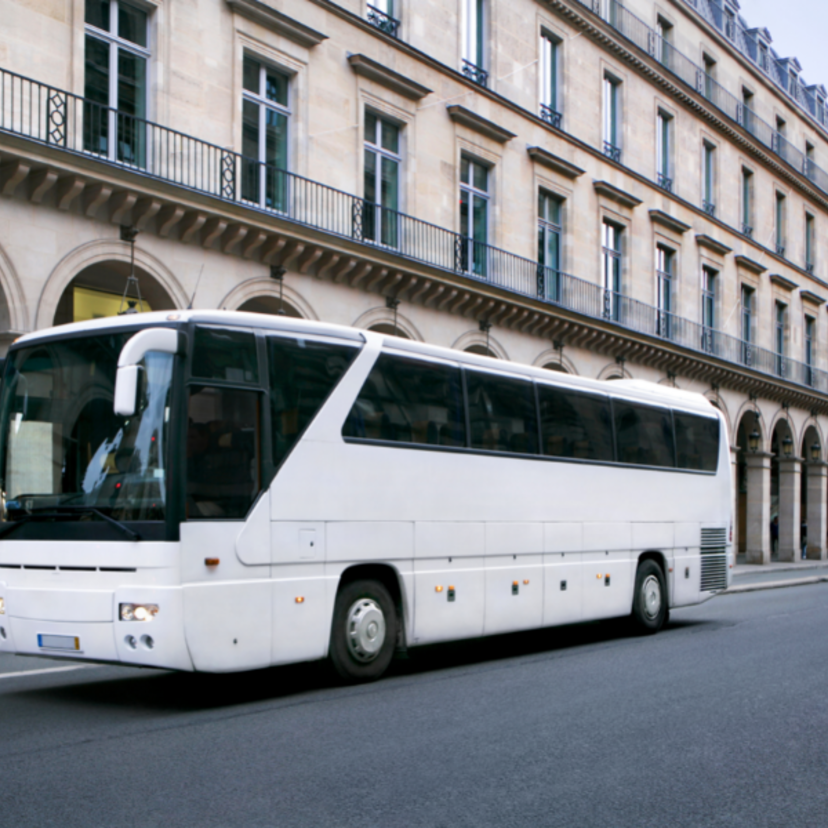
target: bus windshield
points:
(63, 450)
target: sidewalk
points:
(750, 577)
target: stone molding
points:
(277, 22)
(750, 264)
(371, 69)
(713, 245)
(807, 296)
(668, 221)
(616, 194)
(781, 282)
(554, 162)
(467, 118)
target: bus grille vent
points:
(713, 559)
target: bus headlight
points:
(137, 612)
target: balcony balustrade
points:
(56, 118)
(550, 116)
(611, 151)
(383, 21)
(476, 73)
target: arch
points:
(551, 357)
(382, 321)
(264, 292)
(613, 371)
(477, 340)
(12, 292)
(99, 252)
(748, 407)
(718, 403)
(748, 419)
(810, 432)
(781, 424)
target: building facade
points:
(613, 190)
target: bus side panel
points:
(449, 599)
(563, 573)
(302, 611)
(686, 565)
(514, 577)
(608, 570)
(369, 540)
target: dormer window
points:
(730, 24)
(764, 62)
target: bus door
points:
(225, 535)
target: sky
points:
(798, 29)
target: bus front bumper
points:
(85, 625)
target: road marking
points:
(46, 670)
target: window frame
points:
(469, 260)
(664, 150)
(381, 153)
(611, 117)
(550, 90)
(550, 289)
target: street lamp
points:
(787, 445)
(816, 451)
(753, 440)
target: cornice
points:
(616, 194)
(714, 246)
(371, 69)
(468, 118)
(668, 221)
(277, 22)
(750, 265)
(554, 162)
(781, 282)
(807, 296)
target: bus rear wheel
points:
(650, 598)
(364, 631)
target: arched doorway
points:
(102, 290)
(814, 506)
(556, 366)
(753, 491)
(271, 304)
(785, 492)
(482, 350)
(389, 330)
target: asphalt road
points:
(720, 720)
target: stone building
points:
(604, 189)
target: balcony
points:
(612, 152)
(384, 22)
(709, 207)
(476, 73)
(665, 182)
(56, 119)
(550, 116)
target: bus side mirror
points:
(165, 340)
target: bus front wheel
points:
(364, 631)
(650, 598)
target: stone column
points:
(790, 509)
(817, 518)
(734, 476)
(758, 507)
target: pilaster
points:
(758, 507)
(790, 508)
(816, 476)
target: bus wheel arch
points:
(650, 606)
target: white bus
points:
(222, 491)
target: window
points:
(227, 355)
(730, 24)
(224, 474)
(474, 41)
(708, 292)
(747, 110)
(708, 178)
(502, 414)
(380, 218)
(810, 237)
(709, 77)
(664, 290)
(780, 224)
(410, 401)
(779, 339)
(474, 217)
(612, 115)
(550, 108)
(778, 140)
(381, 15)
(747, 325)
(663, 41)
(549, 246)
(809, 350)
(644, 435)
(747, 202)
(764, 63)
(115, 81)
(302, 375)
(265, 123)
(664, 150)
(697, 442)
(611, 269)
(575, 425)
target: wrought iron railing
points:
(550, 115)
(611, 151)
(474, 72)
(57, 118)
(665, 182)
(709, 207)
(383, 21)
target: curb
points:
(813, 579)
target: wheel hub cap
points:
(366, 629)
(651, 590)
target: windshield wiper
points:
(60, 511)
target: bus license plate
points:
(58, 642)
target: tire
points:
(649, 612)
(364, 631)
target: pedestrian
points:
(774, 532)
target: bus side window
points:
(697, 441)
(575, 425)
(409, 401)
(222, 354)
(223, 452)
(644, 434)
(502, 413)
(302, 375)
